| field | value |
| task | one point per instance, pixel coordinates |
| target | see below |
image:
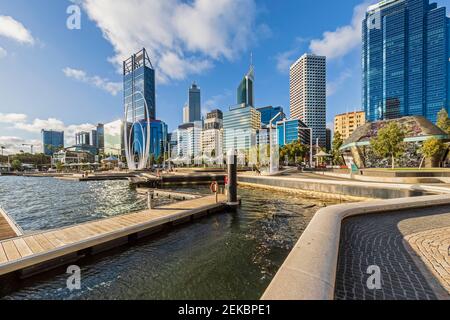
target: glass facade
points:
(113, 139)
(289, 131)
(245, 94)
(405, 60)
(52, 141)
(194, 103)
(268, 113)
(158, 137)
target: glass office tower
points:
(245, 94)
(194, 104)
(158, 137)
(269, 112)
(405, 60)
(52, 141)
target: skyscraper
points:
(139, 105)
(405, 60)
(245, 93)
(82, 138)
(308, 94)
(52, 141)
(269, 112)
(194, 103)
(212, 134)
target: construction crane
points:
(28, 145)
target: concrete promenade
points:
(331, 258)
(384, 240)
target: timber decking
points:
(7, 227)
(24, 251)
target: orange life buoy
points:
(214, 186)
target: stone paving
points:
(379, 240)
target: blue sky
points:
(53, 77)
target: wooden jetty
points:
(8, 228)
(28, 254)
(169, 194)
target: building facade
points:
(245, 92)
(292, 130)
(405, 60)
(139, 107)
(52, 141)
(194, 103)
(158, 137)
(82, 138)
(346, 123)
(189, 140)
(100, 143)
(308, 94)
(212, 135)
(113, 139)
(269, 112)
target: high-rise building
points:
(245, 92)
(308, 94)
(100, 143)
(292, 130)
(186, 114)
(194, 103)
(52, 141)
(94, 137)
(346, 123)
(113, 139)
(328, 140)
(269, 112)
(212, 135)
(189, 139)
(405, 60)
(82, 138)
(140, 107)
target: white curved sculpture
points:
(143, 150)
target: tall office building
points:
(212, 134)
(94, 138)
(346, 123)
(158, 137)
(269, 112)
(189, 139)
(52, 141)
(82, 138)
(186, 114)
(405, 60)
(100, 143)
(293, 130)
(139, 105)
(308, 94)
(194, 103)
(240, 125)
(245, 92)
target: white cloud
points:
(285, 59)
(12, 117)
(104, 84)
(14, 145)
(334, 85)
(215, 102)
(182, 37)
(13, 29)
(338, 43)
(3, 53)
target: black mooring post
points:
(232, 199)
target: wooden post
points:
(149, 200)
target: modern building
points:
(308, 94)
(240, 125)
(245, 92)
(113, 139)
(269, 112)
(186, 113)
(194, 103)
(212, 134)
(82, 138)
(94, 138)
(328, 140)
(139, 105)
(100, 143)
(158, 137)
(405, 60)
(346, 123)
(189, 140)
(52, 141)
(292, 130)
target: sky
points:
(54, 76)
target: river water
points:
(222, 256)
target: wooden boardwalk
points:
(30, 251)
(7, 227)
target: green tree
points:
(16, 165)
(160, 160)
(293, 150)
(59, 167)
(443, 122)
(337, 143)
(431, 148)
(389, 142)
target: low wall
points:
(334, 188)
(309, 272)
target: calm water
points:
(222, 256)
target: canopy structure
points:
(322, 154)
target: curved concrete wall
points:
(309, 272)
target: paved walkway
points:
(379, 239)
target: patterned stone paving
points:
(379, 239)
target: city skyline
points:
(91, 86)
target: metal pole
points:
(149, 200)
(270, 143)
(310, 148)
(232, 178)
